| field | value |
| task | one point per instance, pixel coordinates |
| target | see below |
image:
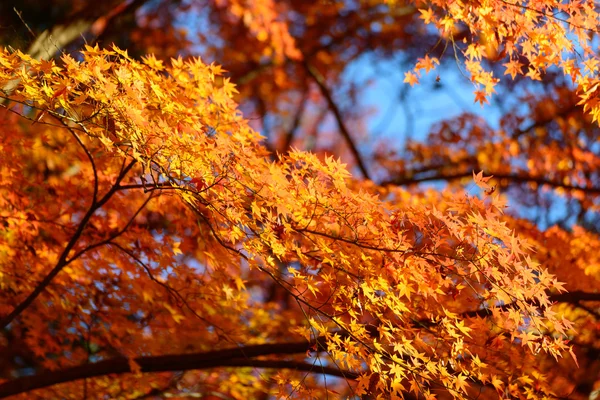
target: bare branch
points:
(320, 81)
(295, 123)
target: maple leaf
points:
(481, 97)
(427, 63)
(427, 15)
(411, 78)
(498, 384)
(481, 181)
(461, 384)
(474, 51)
(513, 68)
(144, 206)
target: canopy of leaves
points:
(154, 244)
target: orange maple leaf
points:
(480, 97)
(411, 78)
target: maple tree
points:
(153, 244)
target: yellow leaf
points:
(176, 249)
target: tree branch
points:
(63, 260)
(289, 137)
(234, 357)
(569, 297)
(574, 297)
(320, 81)
(517, 178)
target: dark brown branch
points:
(575, 297)
(320, 81)
(517, 178)
(234, 357)
(569, 297)
(295, 123)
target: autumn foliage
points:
(154, 244)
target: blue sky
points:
(423, 105)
